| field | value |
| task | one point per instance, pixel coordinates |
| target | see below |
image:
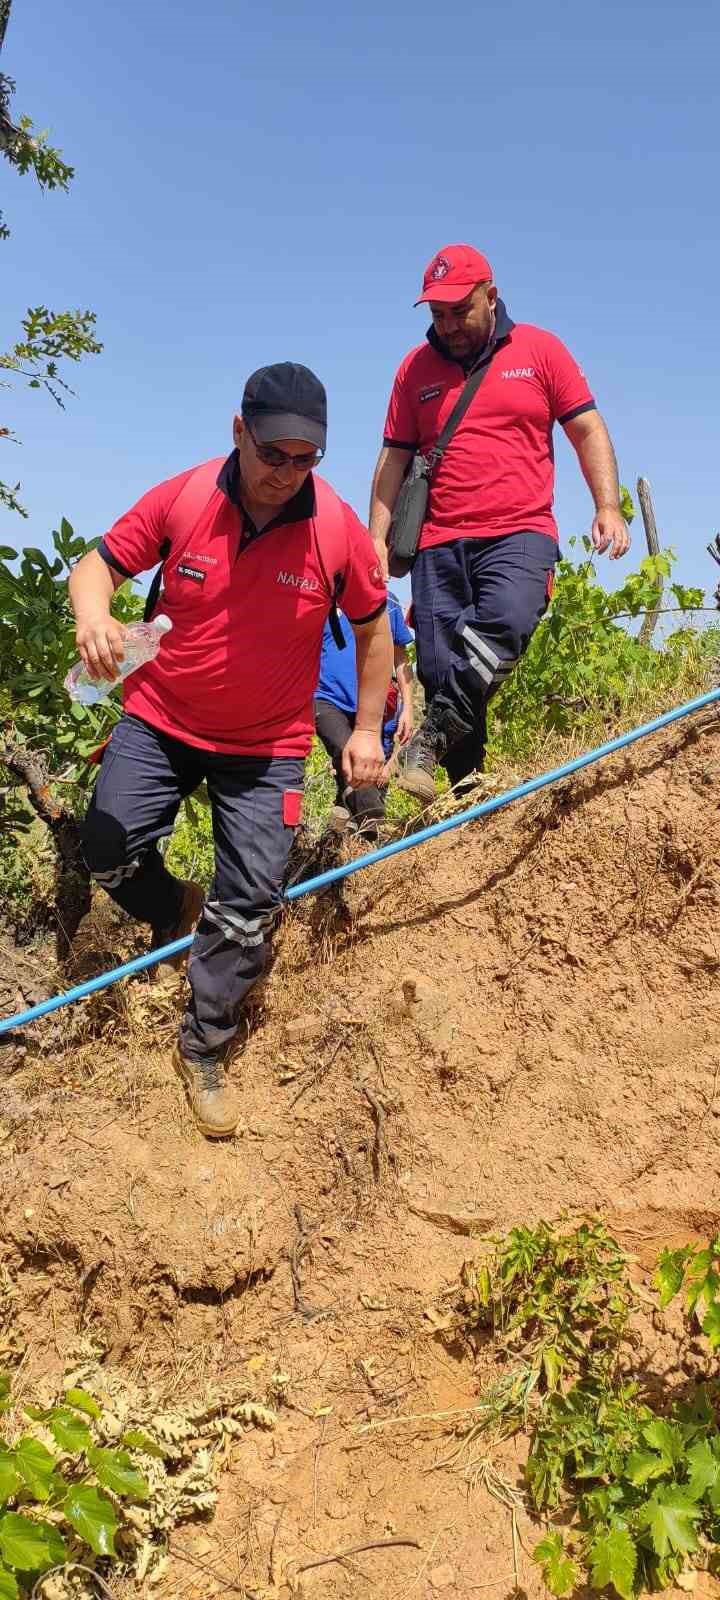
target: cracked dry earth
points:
(516, 1021)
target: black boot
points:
(443, 727)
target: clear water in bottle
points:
(141, 643)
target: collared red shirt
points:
(497, 474)
(238, 671)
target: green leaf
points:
(643, 1465)
(30, 1546)
(552, 1367)
(82, 1401)
(10, 1479)
(68, 1431)
(560, 1572)
(627, 504)
(7, 553)
(114, 1470)
(8, 1585)
(704, 1469)
(669, 1273)
(666, 1438)
(36, 1466)
(711, 1324)
(670, 1516)
(137, 1440)
(613, 1559)
(93, 1516)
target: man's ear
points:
(238, 430)
(492, 296)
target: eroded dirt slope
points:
(518, 1020)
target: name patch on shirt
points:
(430, 394)
(186, 571)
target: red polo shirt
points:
(497, 475)
(238, 671)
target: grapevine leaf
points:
(670, 1515)
(36, 1466)
(613, 1559)
(711, 1324)
(643, 1465)
(68, 1431)
(115, 1471)
(82, 1401)
(627, 504)
(30, 1546)
(704, 1469)
(93, 1516)
(8, 1585)
(136, 1439)
(560, 1572)
(666, 1438)
(10, 1479)
(669, 1273)
(552, 1367)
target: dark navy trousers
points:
(476, 605)
(255, 801)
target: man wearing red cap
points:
(483, 575)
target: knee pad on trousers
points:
(105, 851)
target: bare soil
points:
(517, 1021)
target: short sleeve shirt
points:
(497, 474)
(338, 672)
(237, 673)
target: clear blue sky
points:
(260, 183)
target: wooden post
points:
(653, 543)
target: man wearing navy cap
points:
(256, 551)
(483, 575)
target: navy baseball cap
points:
(286, 401)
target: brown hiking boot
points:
(171, 971)
(339, 819)
(214, 1106)
(417, 762)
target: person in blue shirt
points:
(336, 707)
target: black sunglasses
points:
(282, 458)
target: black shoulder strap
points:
(153, 593)
(469, 390)
(335, 589)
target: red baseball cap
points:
(453, 272)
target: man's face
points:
(273, 481)
(466, 327)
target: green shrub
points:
(584, 668)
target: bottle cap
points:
(162, 623)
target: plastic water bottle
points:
(141, 642)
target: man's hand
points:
(405, 724)
(100, 640)
(363, 759)
(609, 532)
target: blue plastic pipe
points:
(369, 860)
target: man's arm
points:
(391, 467)
(591, 441)
(404, 675)
(99, 637)
(363, 757)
